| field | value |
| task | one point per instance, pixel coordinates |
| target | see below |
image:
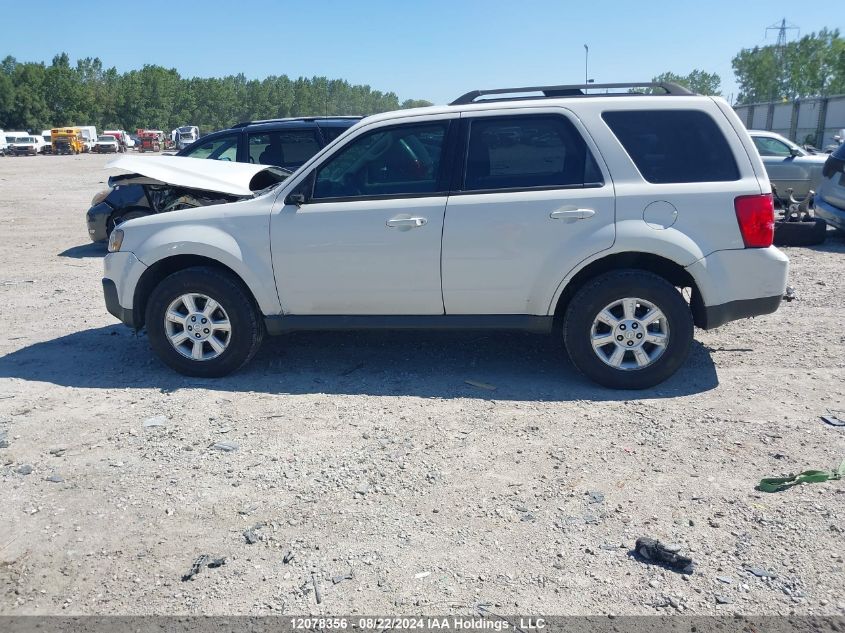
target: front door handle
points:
(406, 223)
(572, 214)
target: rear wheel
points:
(628, 329)
(202, 322)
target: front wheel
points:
(201, 322)
(628, 329)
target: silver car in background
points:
(830, 196)
(787, 165)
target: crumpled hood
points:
(238, 179)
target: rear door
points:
(529, 202)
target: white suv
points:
(582, 215)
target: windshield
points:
(25, 139)
(106, 139)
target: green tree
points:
(698, 81)
(415, 103)
(33, 95)
(811, 66)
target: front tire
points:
(628, 329)
(202, 322)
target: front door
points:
(367, 239)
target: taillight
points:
(756, 218)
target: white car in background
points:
(788, 166)
(572, 214)
(27, 146)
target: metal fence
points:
(813, 120)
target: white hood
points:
(195, 173)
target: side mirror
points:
(794, 152)
(296, 198)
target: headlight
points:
(97, 199)
(115, 240)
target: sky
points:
(433, 50)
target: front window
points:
(401, 160)
(768, 146)
(220, 148)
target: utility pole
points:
(586, 64)
(780, 51)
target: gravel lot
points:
(395, 485)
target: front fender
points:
(239, 241)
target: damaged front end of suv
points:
(164, 184)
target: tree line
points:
(35, 96)
(811, 66)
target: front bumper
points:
(122, 272)
(127, 315)
(97, 219)
(737, 284)
(29, 151)
(832, 215)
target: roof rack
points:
(572, 90)
(296, 118)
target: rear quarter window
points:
(674, 146)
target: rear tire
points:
(800, 233)
(211, 354)
(645, 323)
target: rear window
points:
(285, 148)
(523, 152)
(674, 146)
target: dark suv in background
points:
(286, 143)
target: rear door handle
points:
(572, 214)
(406, 223)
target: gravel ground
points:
(366, 465)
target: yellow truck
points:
(66, 140)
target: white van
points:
(89, 136)
(7, 138)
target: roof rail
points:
(296, 118)
(572, 90)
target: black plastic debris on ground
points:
(203, 560)
(649, 550)
(833, 420)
